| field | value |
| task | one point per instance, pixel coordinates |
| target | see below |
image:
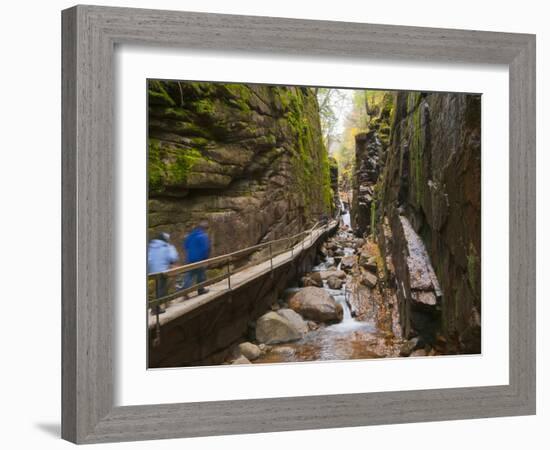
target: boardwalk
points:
(180, 306)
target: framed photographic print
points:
(312, 224)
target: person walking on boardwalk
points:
(197, 248)
(161, 255)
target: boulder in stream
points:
(241, 360)
(326, 274)
(316, 277)
(334, 282)
(295, 319)
(249, 350)
(312, 279)
(274, 328)
(348, 262)
(316, 304)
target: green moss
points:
(416, 154)
(169, 166)
(284, 96)
(373, 218)
(328, 193)
(176, 113)
(158, 94)
(155, 166)
(310, 158)
(180, 167)
(193, 130)
(238, 95)
(472, 266)
(204, 106)
(160, 98)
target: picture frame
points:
(89, 37)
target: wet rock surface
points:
(241, 360)
(295, 319)
(368, 328)
(316, 304)
(273, 328)
(418, 194)
(249, 350)
(325, 274)
(334, 282)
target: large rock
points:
(325, 274)
(348, 262)
(368, 262)
(316, 304)
(312, 279)
(334, 282)
(316, 277)
(369, 279)
(241, 360)
(273, 328)
(295, 319)
(249, 350)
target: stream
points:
(349, 339)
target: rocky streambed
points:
(343, 309)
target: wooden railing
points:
(271, 249)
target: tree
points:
(355, 123)
(331, 103)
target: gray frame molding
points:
(89, 36)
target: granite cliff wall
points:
(249, 158)
(422, 194)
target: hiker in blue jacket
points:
(161, 255)
(197, 248)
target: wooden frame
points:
(89, 37)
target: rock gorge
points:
(417, 193)
(248, 158)
(393, 267)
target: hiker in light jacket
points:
(161, 255)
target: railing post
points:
(156, 341)
(228, 275)
(271, 261)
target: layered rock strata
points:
(248, 158)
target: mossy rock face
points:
(249, 158)
(169, 165)
(201, 180)
(432, 176)
(158, 95)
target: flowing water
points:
(346, 218)
(349, 339)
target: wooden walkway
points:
(180, 306)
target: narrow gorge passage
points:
(252, 169)
(357, 336)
